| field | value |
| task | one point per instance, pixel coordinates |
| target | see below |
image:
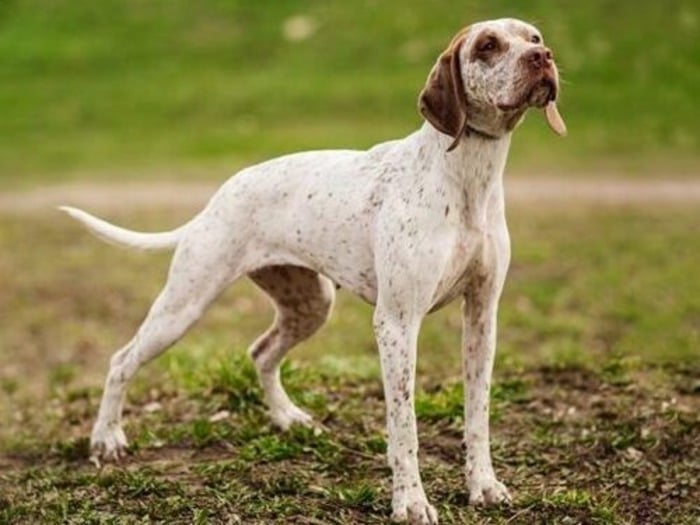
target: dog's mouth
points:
(542, 93)
(539, 94)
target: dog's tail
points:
(123, 237)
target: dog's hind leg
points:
(197, 275)
(303, 300)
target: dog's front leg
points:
(397, 335)
(479, 313)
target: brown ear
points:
(443, 102)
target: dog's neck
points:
(476, 164)
(469, 130)
(474, 170)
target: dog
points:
(408, 225)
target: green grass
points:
(126, 86)
(560, 451)
(594, 406)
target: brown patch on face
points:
(488, 47)
(443, 101)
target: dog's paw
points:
(487, 491)
(108, 443)
(413, 508)
(285, 417)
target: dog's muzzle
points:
(543, 92)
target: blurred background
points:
(138, 109)
(158, 88)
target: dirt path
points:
(538, 191)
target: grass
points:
(561, 452)
(595, 402)
(128, 87)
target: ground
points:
(574, 446)
(595, 401)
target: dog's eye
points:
(535, 39)
(488, 46)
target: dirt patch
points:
(519, 190)
(573, 445)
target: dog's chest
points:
(471, 251)
(465, 260)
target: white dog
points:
(409, 226)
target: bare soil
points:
(526, 190)
(574, 447)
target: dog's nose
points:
(538, 58)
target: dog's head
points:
(486, 79)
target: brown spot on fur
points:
(488, 47)
(443, 101)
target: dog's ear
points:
(443, 101)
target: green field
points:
(92, 89)
(596, 396)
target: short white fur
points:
(405, 225)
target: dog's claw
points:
(288, 416)
(488, 492)
(418, 513)
(413, 508)
(107, 444)
(95, 460)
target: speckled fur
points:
(405, 225)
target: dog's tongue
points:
(554, 118)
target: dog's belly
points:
(339, 249)
(359, 281)
(362, 283)
(349, 268)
